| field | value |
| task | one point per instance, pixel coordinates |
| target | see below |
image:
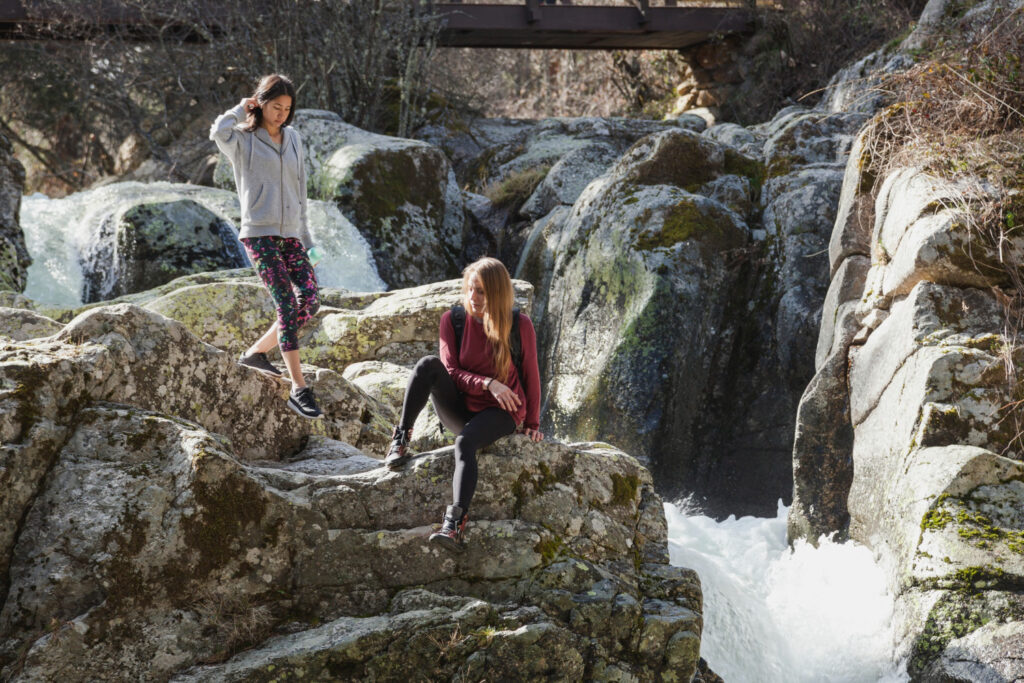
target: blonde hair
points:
(499, 297)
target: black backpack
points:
(515, 342)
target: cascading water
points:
(772, 614)
(348, 261)
(58, 231)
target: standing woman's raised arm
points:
(224, 133)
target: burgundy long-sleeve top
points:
(473, 365)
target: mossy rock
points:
(13, 273)
(402, 198)
(958, 613)
(148, 244)
(691, 219)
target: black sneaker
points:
(398, 453)
(303, 402)
(453, 528)
(258, 361)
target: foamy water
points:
(57, 233)
(772, 614)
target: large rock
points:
(141, 245)
(161, 517)
(909, 432)
(638, 291)
(401, 194)
(20, 324)
(761, 304)
(125, 354)
(14, 257)
(488, 150)
(534, 166)
(128, 237)
(568, 176)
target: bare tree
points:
(90, 78)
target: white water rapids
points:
(57, 232)
(775, 615)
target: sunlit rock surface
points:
(167, 517)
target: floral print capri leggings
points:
(281, 263)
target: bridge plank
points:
(524, 25)
(586, 27)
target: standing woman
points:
(475, 387)
(266, 155)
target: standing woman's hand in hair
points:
(249, 104)
(506, 398)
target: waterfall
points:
(58, 233)
(775, 614)
(348, 262)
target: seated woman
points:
(485, 385)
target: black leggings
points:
(474, 430)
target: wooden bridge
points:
(639, 24)
(626, 24)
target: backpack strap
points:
(515, 343)
(459, 323)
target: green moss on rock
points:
(513, 190)
(681, 159)
(936, 520)
(739, 164)
(686, 221)
(624, 488)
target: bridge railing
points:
(744, 4)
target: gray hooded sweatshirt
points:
(270, 178)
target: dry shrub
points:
(232, 620)
(513, 190)
(958, 114)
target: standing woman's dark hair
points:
(478, 392)
(268, 161)
(270, 88)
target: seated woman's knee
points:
(464, 447)
(428, 365)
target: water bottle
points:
(315, 255)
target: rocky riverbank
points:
(737, 314)
(908, 438)
(169, 512)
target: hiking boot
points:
(258, 361)
(303, 402)
(452, 529)
(398, 452)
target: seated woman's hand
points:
(534, 434)
(506, 398)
